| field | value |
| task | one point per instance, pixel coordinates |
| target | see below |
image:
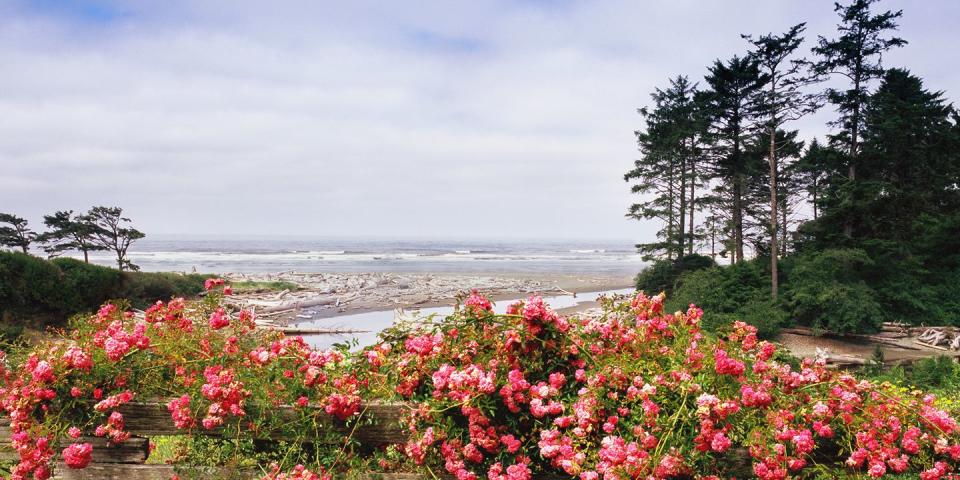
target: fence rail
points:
(381, 425)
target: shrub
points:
(826, 290)
(10, 334)
(727, 294)
(88, 285)
(632, 393)
(145, 288)
(28, 284)
(662, 275)
(938, 372)
(47, 292)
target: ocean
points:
(327, 254)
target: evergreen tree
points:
(855, 55)
(812, 171)
(672, 147)
(789, 149)
(780, 102)
(912, 148)
(656, 174)
(111, 233)
(17, 234)
(733, 108)
(69, 232)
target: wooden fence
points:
(382, 425)
(150, 419)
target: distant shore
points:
(322, 295)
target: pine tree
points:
(111, 234)
(656, 174)
(912, 148)
(733, 109)
(17, 234)
(672, 147)
(69, 232)
(855, 55)
(782, 101)
(812, 171)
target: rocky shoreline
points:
(320, 295)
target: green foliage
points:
(727, 294)
(663, 274)
(940, 373)
(766, 315)
(827, 290)
(721, 289)
(109, 232)
(29, 284)
(16, 233)
(47, 292)
(87, 285)
(262, 286)
(10, 335)
(145, 288)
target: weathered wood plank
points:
(381, 422)
(115, 472)
(165, 472)
(135, 450)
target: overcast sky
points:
(448, 119)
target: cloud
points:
(448, 119)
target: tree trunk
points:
(738, 219)
(713, 240)
(671, 194)
(815, 200)
(773, 210)
(852, 173)
(693, 202)
(783, 226)
(25, 248)
(681, 240)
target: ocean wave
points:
(373, 256)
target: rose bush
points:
(218, 370)
(640, 393)
(632, 393)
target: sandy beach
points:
(321, 295)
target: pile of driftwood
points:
(287, 303)
(894, 335)
(942, 338)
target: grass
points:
(164, 449)
(250, 286)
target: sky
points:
(473, 119)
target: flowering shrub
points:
(218, 371)
(633, 393)
(640, 393)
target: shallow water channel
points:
(376, 321)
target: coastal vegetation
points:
(37, 293)
(634, 392)
(839, 234)
(100, 228)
